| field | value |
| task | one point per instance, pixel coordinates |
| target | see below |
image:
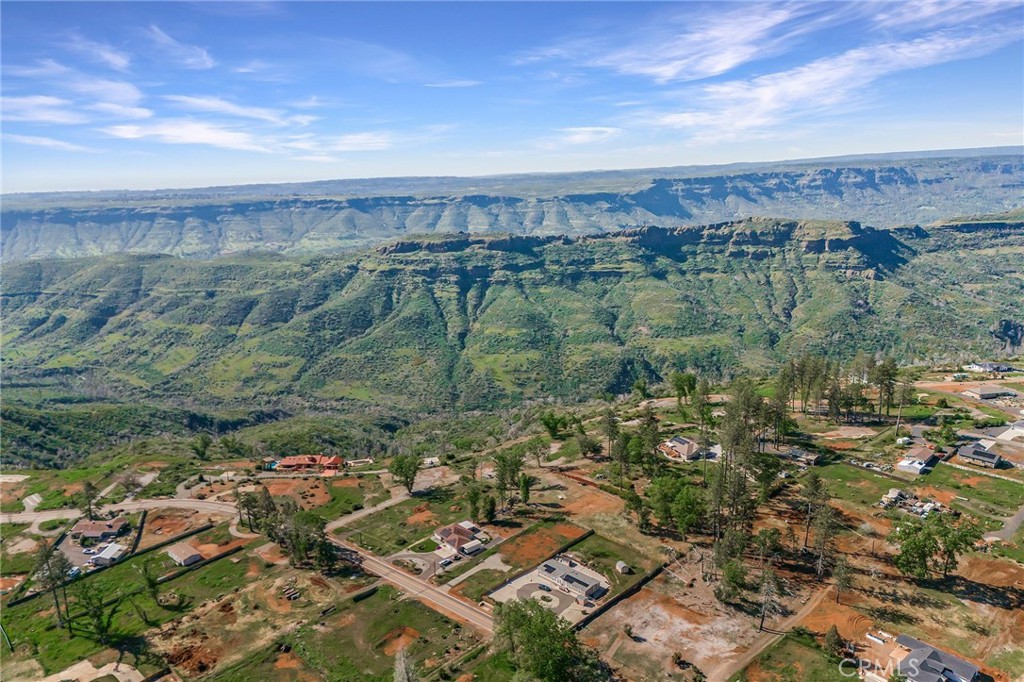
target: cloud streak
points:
(187, 56)
(48, 143)
(188, 131)
(41, 109)
(100, 52)
(726, 110)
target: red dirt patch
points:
(530, 548)
(852, 624)
(842, 445)
(346, 482)
(194, 658)
(422, 515)
(943, 496)
(593, 501)
(308, 494)
(398, 639)
(73, 488)
(287, 661)
(9, 582)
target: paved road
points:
(207, 506)
(420, 589)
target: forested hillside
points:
(336, 215)
(473, 321)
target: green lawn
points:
(346, 500)
(389, 530)
(602, 554)
(795, 659)
(1002, 495)
(33, 630)
(352, 646)
(856, 484)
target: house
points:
(305, 462)
(988, 392)
(920, 459)
(925, 663)
(463, 537)
(979, 455)
(574, 582)
(989, 367)
(99, 531)
(678, 447)
(111, 554)
(804, 457)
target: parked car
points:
(544, 588)
(88, 550)
(446, 562)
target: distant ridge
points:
(887, 190)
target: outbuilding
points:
(184, 554)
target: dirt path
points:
(730, 667)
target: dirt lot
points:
(850, 432)
(529, 549)
(668, 616)
(308, 493)
(229, 628)
(167, 523)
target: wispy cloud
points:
(927, 14)
(361, 142)
(725, 110)
(454, 84)
(694, 43)
(378, 61)
(217, 105)
(120, 110)
(48, 142)
(104, 90)
(188, 131)
(100, 52)
(44, 68)
(588, 134)
(188, 56)
(40, 109)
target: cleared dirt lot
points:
(162, 524)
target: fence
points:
(176, 538)
(628, 592)
(565, 546)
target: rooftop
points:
(930, 663)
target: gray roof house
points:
(925, 663)
(976, 453)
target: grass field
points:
(32, 625)
(997, 493)
(602, 554)
(793, 659)
(345, 500)
(856, 484)
(395, 528)
(359, 641)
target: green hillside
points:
(456, 321)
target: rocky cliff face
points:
(885, 196)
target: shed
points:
(110, 555)
(622, 567)
(184, 554)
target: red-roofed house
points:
(303, 462)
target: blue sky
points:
(154, 94)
